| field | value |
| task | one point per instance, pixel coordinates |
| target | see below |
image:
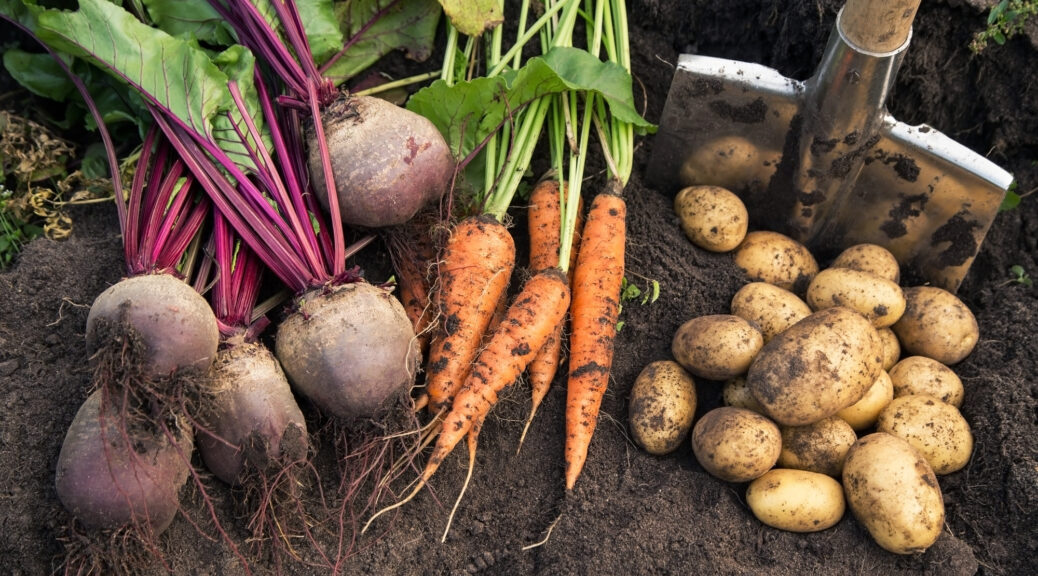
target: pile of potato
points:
(836, 384)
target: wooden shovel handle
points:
(878, 25)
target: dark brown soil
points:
(630, 513)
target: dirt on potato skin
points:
(630, 513)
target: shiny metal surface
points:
(822, 160)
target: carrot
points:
(528, 323)
(545, 218)
(538, 308)
(412, 254)
(477, 265)
(596, 303)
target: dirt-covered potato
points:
(863, 414)
(716, 346)
(712, 217)
(922, 375)
(875, 298)
(820, 447)
(771, 308)
(796, 500)
(893, 492)
(817, 367)
(871, 258)
(735, 444)
(776, 259)
(891, 348)
(663, 404)
(936, 429)
(936, 324)
(737, 394)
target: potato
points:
(893, 492)
(771, 308)
(663, 404)
(936, 324)
(817, 367)
(776, 259)
(871, 258)
(735, 444)
(875, 298)
(891, 348)
(922, 375)
(934, 428)
(863, 413)
(796, 500)
(737, 394)
(717, 346)
(820, 447)
(712, 217)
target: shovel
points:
(823, 161)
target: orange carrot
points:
(412, 251)
(477, 265)
(593, 316)
(545, 218)
(529, 321)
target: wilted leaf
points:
(374, 28)
(473, 17)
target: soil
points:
(630, 513)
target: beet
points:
(116, 474)
(350, 349)
(174, 323)
(251, 415)
(388, 161)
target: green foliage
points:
(1005, 20)
(14, 232)
(630, 292)
(409, 25)
(1020, 276)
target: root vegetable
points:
(350, 349)
(174, 323)
(252, 420)
(388, 161)
(111, 473)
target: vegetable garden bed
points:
(630, 512)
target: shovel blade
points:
(724, 123)
(927, 199)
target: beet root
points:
(175, 324)
(388, 162)
(351, 349)
(251, 419)
(110, 475)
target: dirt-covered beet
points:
(388, 161)
(250, 415)
(350, 349)
(174, 323)
(113, 471)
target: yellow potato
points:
(712, 217)
(820, 447)
(936, 324)
(776, 259)
(771, 308)
(891, 348)
(875, 298)
(922, 375)
(796, 500)
(871, 258)
(893, 492)
(737, 394)
(863, 414)
(934, 428)
(717, 346)
(735, 444)
(663, 404)
(817, 367)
